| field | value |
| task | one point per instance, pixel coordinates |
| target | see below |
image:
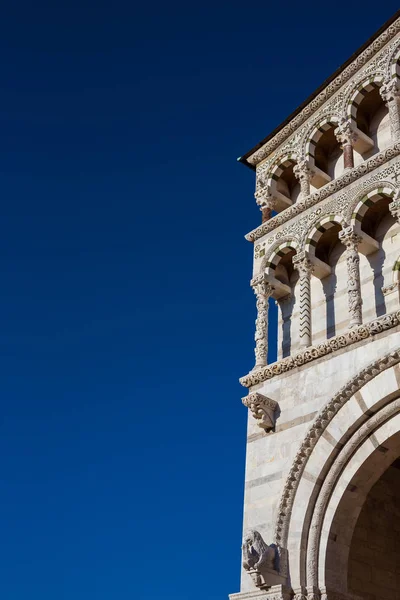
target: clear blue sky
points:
(126, 315)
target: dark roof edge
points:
(243, 159)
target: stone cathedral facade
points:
(322, 486)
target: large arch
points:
(328, 456)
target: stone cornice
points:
(327, 190)
(325, 94)
(349, 337)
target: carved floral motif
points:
(262, 409)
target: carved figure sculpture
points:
(257, 555)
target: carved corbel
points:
(261, 561)
(262, 408)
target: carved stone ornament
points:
(262, 409)
(263, 290)
(351, 336)
(258, 558)
(389, 289)
(389, 90)
(351, 240)
(344, 133)
(327, 190)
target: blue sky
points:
(126, 315)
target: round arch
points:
(316, 132)
(360, 205)
(279, 165)
(360, 90)
(271, 261)
(319, 228)
(340, 429)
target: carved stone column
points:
(266, 202)
(346, 137)
(305, 269)
(351, 240)
(263, 291)
(303, 173)
(391, 96)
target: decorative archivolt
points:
(318, 427)
(278, 166)
(319, 228)
(357, 208)
(285, 245)
(359, 91)
(315, 132)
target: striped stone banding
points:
(362, 90)
(278, 253)
(319, 229)
(317, 132)
(278, 167)
(368, 200)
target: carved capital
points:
(302, 263)
(350, 238)
(389, 90)
(264, 199)
(344, 133)
(261, 286)
(262, 409)
(394, 206)
(302, 169)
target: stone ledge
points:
(351, 336)
(327, 190)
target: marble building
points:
(322, 484)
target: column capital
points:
(261, 285)
(350, 238)
(345, 133)
(303, 264)
(389, 90)
(264, 199)
(303, 172)
(394, 206)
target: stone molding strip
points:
(327, 190)
(325, 94)
(347, 338)
(325, 416)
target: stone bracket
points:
(262, 408)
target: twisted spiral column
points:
(263, 291)
(351, 240)
(305, 269)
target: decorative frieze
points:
(327, 190)
(351, 336)
(381, 61)
(262, 408)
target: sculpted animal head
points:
(256, 553)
